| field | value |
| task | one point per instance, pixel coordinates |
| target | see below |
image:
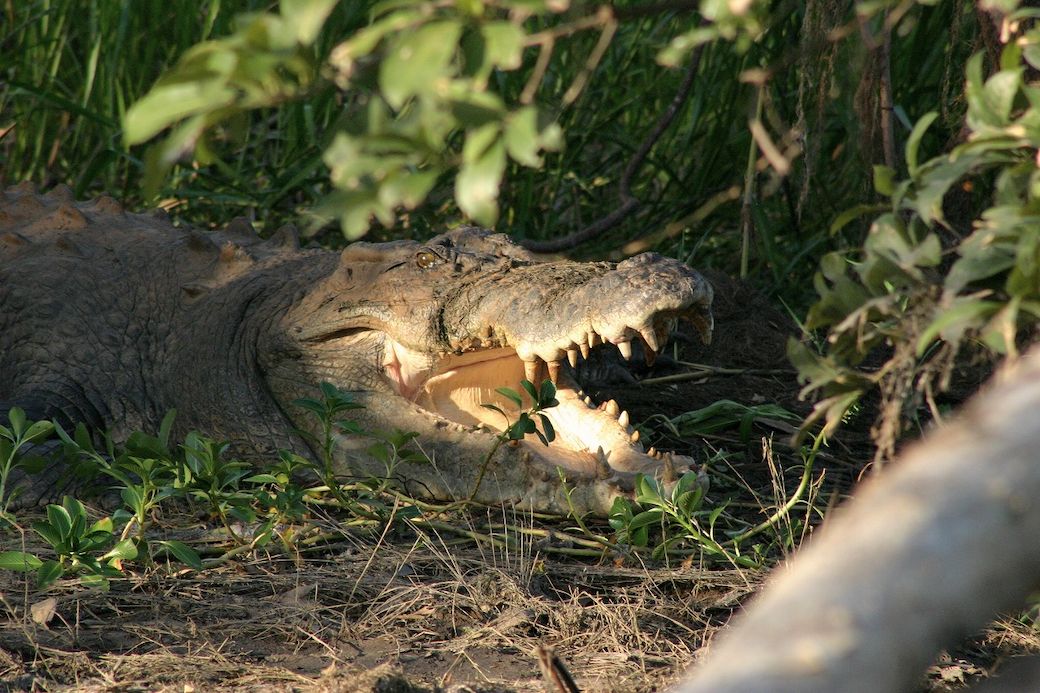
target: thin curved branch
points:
(629, 202)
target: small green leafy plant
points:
(12, 440)
(677, 516)
(76, 542)
(542, 398)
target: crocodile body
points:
(114, 318)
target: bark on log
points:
(923, 556)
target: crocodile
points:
(113, 318)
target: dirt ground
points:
(451, 608)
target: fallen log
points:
(920, 558)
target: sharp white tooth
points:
(650, 339)
(612, 408)
(572, 357)
(593, 339)
(584, 350)
(554, 371)
(634, 438)
(531, 369)
(588, 402)
(626, 349)
(622, 419)
(652, 451)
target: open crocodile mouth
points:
(591, 440)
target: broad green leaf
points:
(125, 550)
(478, 181)
(521, 137)
(59, 520)
(510, 394)
(532, 391)
(419, 61)
(306, 17)
(1000, 92)
(884, 180)
(503, 44)
(184, 553)
(20, 561)
(647, 518)
(38, 430)
(550, 432)
(48, 573)
(16, 416)
(407, 188)
(166, 104)
(95, 581)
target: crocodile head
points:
(425, 334)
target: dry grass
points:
(443, 617)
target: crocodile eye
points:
(426, 259)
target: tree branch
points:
(920, 558)
(628, 201)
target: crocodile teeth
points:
(622, 419)
(572, 357)
(531, 369)
(626, 349)
(593, 339)
(554, 371)
(649, 336)
(612, 408)
(584, 350)
(652, 452)
(634, 438)
(588, 402)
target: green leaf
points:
(183, 553)
(38, 431)
(478, 181)
(165, 427)
(1000, 92)
(884, 180)
(531, 390)
(550, 432)
(168, 103)
(521, 137)
(17, 418)
(419, 61)
(48, 573)
(50, 535)
(647, 518)
(952, 322)
(20, 561)
(503, 44)
(913, 142)
(60, 520)
(95, 581)
(547, 395)
(306, 17)
(510, 394)
(125, 550)
(406, 188)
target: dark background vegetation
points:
(70, 72)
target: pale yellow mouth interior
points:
(455, 387)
